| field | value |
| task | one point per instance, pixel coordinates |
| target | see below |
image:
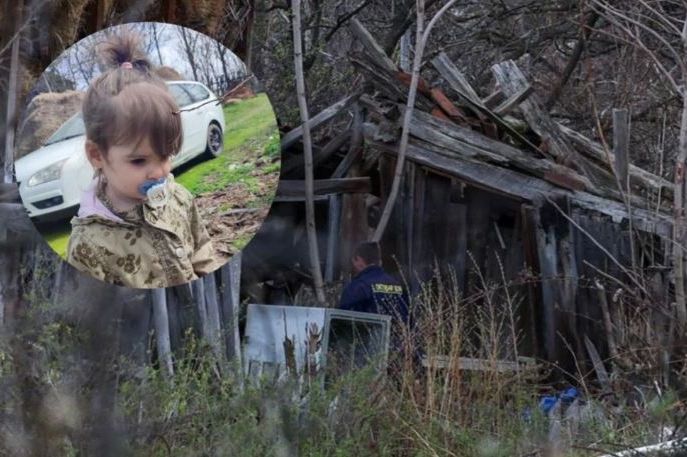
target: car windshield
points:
(70, 129)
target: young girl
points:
(135, 227)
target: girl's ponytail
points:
(129, 101)
(123, 48)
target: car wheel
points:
(215, 141)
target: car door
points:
(189, 124)
(200, 97)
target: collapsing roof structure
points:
(491, 184)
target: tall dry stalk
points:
(421, 37)
(311, 230)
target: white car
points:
(52, 177)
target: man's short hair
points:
(369, 252)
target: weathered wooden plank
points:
(296, 163)
(644, 220)
(621, 146)
(514, 100)
(388, 83)
(354, 229)
(569, 280)
(531, 257)
(599, 368)
(548, 267)
(333, 225)
(198, 289)
(214, 327)
(526, 187)
(455, 78)
(493, 178)
(298, 198)
(161, 322)
(295, 134)
(511, 81)
(474, 364)
(371, 46)
(229, 306)
(493, 99)
(474, 145)
(638, 176)
(355, 148)
(296, 188)
(174, 314)
(448, 107)
(457, 81)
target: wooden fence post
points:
(229, 307)
(161, 319)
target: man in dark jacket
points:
(372, 290)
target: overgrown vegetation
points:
(206, 408)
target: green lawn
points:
(250, 133)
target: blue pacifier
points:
(155, 190)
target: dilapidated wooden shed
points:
(493, 189)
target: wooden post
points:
(334, 219)
(12, 95)
(547, 256)
(198, 288)
(164, 347)
(231, 282)
(214, 331)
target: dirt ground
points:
(232, 214)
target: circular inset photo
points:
(147, 155)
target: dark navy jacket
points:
(374, 291)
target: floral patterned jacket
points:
(147, 247)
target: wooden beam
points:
(474, 364)
(514, 100)
(493, 99)
(638, 176)
(355, 148)
(162, 339)
(296, 188)
(333, 226)
(525, 187)
(229, 306)
(320, 155)
(298, 199)
(455, 78)
(295, 134)
(458, 82)
(548, 267)
(372, 48)
(474, 145)
(512, 81)
(214, 327)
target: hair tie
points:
(127, 65)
